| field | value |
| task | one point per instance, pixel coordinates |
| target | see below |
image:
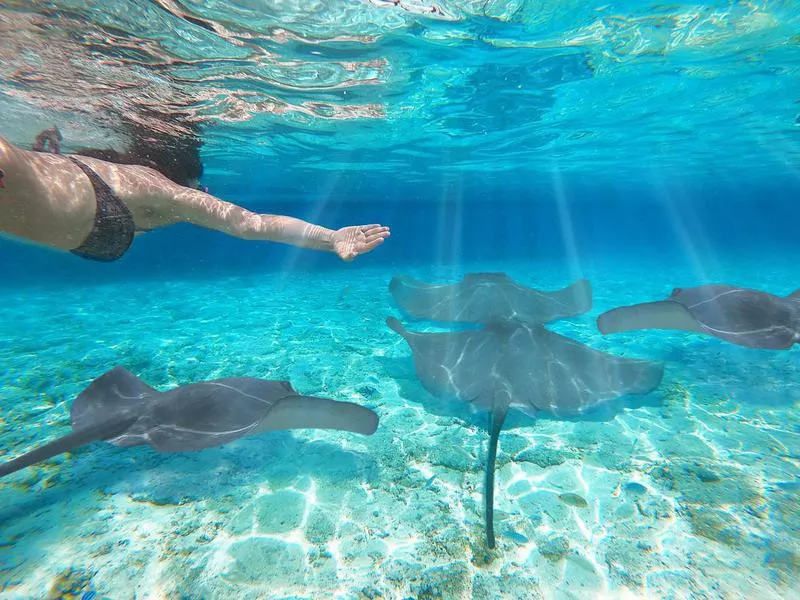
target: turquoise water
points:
(691, 494)
(642, 146)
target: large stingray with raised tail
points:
(514, 364)
(488, 298)
(738, 315)
(120, 408)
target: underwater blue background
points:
(690, 221)
(642, 146)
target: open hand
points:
(349, 242)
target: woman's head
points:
(175, 156)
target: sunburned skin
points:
(47, 199)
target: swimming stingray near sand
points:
(521, 365)
(737, 315)
(120, 408)
(489, 298)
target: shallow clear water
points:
(690, 494)
(642, 146)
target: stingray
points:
(120, 408)
(489, 298)
(522, 366)
(738, 315)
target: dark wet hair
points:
(49, 140)
(176, 156)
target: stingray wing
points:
(488, 298)
(120, 408)
(742, 316)
(451, 364)
(104, 410)
(477, 298)
(563, 377)
(116, 391)
(212, 413)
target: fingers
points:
(370, 230)
(375, 236)
(371, 245)
(364, 247)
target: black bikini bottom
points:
(113, 230)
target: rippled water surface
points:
(611, 90)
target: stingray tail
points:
(76, 439)
(496, 418)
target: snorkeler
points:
(93, 208)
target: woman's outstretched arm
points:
(181, 204)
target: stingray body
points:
(488, 298)
(523, 366)
(120, 408)
(740, 316)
